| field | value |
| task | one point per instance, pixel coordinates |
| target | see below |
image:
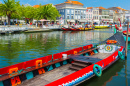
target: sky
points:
(87, 3)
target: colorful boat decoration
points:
(66, 68)
(125, 33)
(76, 29)
(120, 27)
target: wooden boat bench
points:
(85, 59)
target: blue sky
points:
(87, 3)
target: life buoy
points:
(111, 41)
(121, 55)
(99, 72)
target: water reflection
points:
(17, 48)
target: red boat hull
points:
(72, 29)
(66, 29)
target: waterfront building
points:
(104, 15)
(89, 14)
(92, 15)
(96, 15)
(119, 14)
(127, 15)
(111, 15)
(71, 12)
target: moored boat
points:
(101, 26)
(65, 68)
(66, 29)
(74, 29)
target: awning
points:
(70, 20)
(82, 20)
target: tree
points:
(8, 8)
(29, 12)
(48, 12)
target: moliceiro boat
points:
(76, 29)
(101, 26)
(66, 68)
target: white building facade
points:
(72, 12)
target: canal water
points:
(16, 48)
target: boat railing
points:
(34, 64)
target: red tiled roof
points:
(89, 7)
(101, 7)
(71, 2)
(36, 6)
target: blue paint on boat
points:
(57, 65)
(29, 75)
(87, 54)
(50, 68)
(64, 62)
(95, 51)
(128, 38)
(1, 83)
(81, 55)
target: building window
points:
(72, 11)
(84, 17)
(63, 16)
(84, 12)
(89, 16)
(68, 11)
(76, 12)
(97, 17)
(78, 17)
(63, 10)
(81, 11)
(72, 17)
(81, 17)
(97, 12)
(68, 17)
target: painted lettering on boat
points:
(83, 77)
(16, 73)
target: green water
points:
(22, 47)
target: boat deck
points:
(57, 73)
(48, 77)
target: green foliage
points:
(8, 8)
(48, 12)
(12, 9)
(29, 12)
